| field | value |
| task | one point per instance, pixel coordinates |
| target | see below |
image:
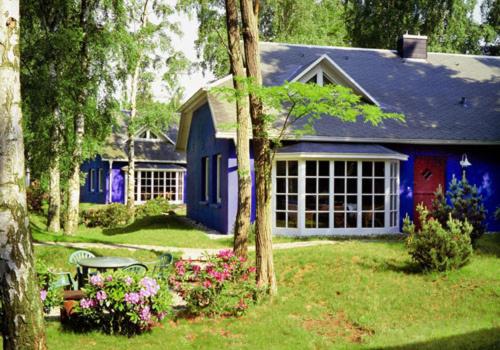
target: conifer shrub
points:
(463, 202)
(435, 247)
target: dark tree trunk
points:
(262, 153)
(242, 225)
(22, 322)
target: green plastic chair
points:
(75, 258)
(139, 269)
(63, 280)
(164, 261)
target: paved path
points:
(187, 253)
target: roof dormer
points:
(325, 71)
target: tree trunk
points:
(22, 323)
(54, 212)
(242, 225)
(131, 148)
(131, 131)
(71, 224)
(262, 155)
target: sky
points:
(195, 79)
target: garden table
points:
(103, 263)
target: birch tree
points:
(147, 50)
(92, 80)
(22, 325)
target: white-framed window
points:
(148, 135)
(150, 184)
(205, 179)
(218, 173)
(92, 180)
(329, 196)
(101, 183)
(317, 190)
(318, 76)
(287, 190)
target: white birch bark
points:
(22, 325)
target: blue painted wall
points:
(484, 172)
(202, 143)
(88, 196)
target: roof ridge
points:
(462, 55)
(372, 49)
(329, 47)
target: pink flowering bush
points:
(224, 285)
(123, 304)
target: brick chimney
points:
(413, 46)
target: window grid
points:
(373, 194)
(154, 184)
(345, 194)
(317, 203)
(394, 193)
(358, 194)
(287, 193)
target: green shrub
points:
(462, 201)
(109, 216)
(153, 207)
(123, 303)
(435, 248)
(225, 285)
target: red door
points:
(429, 173)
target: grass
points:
(351, 295)
(157, 230)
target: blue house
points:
(159, 169)
(354, 178)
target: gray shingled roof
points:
(116, 147)
(427, 93)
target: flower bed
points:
(224, 285)
(123, 304)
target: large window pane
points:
(367, 169)
(352, 168)
(324, 168)
(339, 169)
(311, 168)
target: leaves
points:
(295, 103)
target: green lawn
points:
(349, 295)
(158, 230)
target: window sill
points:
(202, 203)
(216, 205)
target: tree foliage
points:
(292, 109)
(449, 25)
(51, 77)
